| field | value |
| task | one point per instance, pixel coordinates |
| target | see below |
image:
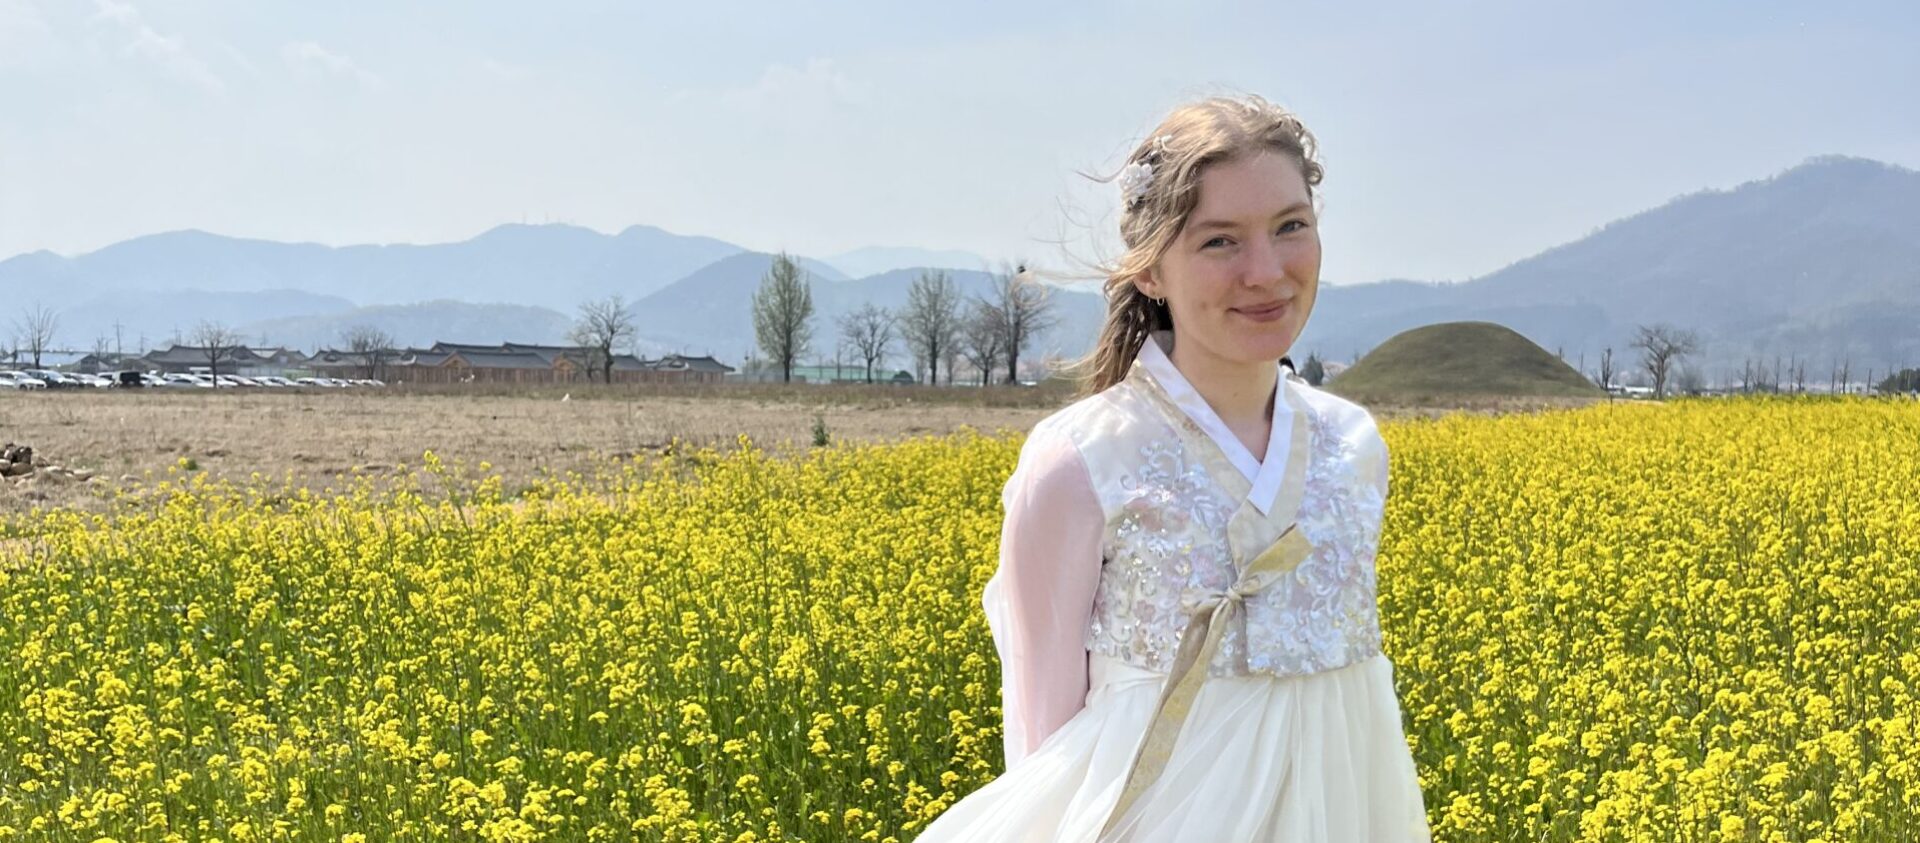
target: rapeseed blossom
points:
(1690, 621)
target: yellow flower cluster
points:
(1696, 621)
(1693, 621)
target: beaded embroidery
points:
(1169, 533)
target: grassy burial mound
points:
(1454, 359)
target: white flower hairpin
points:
(1137, 178)
(1134, 181)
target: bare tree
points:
(1025, 311)
(782, 308)
(34, 330)
(373, 345)
(868, 332)
(1661, 346)
(1606, 370)
(931, 322)
(604, 325)
(982, 338)
(215, 340)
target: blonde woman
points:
(1185, 607)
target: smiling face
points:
(1240, 277)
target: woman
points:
(1185, 608)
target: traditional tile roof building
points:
(231, 360)
(510, 362)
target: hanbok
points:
(1189, 636)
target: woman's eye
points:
(1284, 229)
(1209, 243)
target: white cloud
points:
(169, 53)
(310, 57)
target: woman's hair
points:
(1191, 139)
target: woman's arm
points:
(1041, 598)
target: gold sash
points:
(1212, 610)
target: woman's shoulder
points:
(1111, 412)
(1348, 419)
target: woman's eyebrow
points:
(1213, 224)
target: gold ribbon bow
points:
(1212, 610)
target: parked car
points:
(129, 380)
(178, 379)
(95, 381)
(55, 380)
(22, 380)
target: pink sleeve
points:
(1040, 600)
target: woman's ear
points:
(1147, 284)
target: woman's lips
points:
(1271, 313)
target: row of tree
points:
(937, 322)
(1664, 349)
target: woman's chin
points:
(1271, 345)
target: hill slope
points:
(1460, 358)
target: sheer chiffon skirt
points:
(1318, 757)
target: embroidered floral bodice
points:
(1172, 484)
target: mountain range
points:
(1820, 261)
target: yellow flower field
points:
(1691, 621)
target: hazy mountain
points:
(1076, 314)
(874, 260)
(1820, 261)
(556, 266)
(711, 310)
(136, 320)
(418, 325)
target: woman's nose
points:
(1264, 264)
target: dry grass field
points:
(320, 437)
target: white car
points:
(188, 381)
(21, 380)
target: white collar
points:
(1265, 475)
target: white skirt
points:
(1315, 757)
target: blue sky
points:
(1458, 137)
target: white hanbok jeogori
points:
(1189, 637)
